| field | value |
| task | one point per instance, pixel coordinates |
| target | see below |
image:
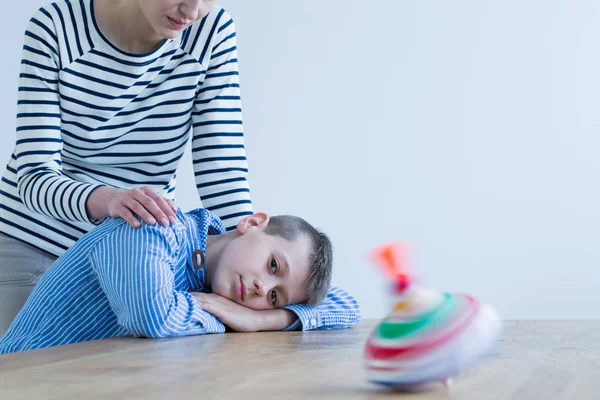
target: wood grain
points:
(534, 360)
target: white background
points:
(468, 128)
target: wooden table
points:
(535, 360)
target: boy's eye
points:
(273, 266)
(273, 298)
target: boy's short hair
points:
(290, 228)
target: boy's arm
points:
(338, 310)
(134, 269)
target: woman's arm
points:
(218, 151)
(41, 184)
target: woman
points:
(108, 92)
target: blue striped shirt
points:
(119, 281)
(90, 114)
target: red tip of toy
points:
(402, 283)
(393, 259)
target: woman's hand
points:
(120, 203)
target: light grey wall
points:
(469, 128)
(11, 41)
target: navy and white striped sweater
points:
(90, 114)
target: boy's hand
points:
(243, 319)
(232, 314)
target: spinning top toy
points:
(429, 336)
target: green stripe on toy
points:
(397, 329)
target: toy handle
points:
(392, 258)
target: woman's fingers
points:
(146, 204)
(150, 205)
(128, 216)
(166, 206)
(140, 210)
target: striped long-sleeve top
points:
(119, 281)
(90, 114)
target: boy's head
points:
(270, 262)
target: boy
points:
(118, 281)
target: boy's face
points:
(262, 271)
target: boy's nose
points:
(259, 288)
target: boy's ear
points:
(259, 220)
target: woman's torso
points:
(124, 118)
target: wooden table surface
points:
(534, 360)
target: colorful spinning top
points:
(429, 336)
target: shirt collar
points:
(201, 223)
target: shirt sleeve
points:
(218, 151)
(41, 185)
(338, 310)
(135, 270)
